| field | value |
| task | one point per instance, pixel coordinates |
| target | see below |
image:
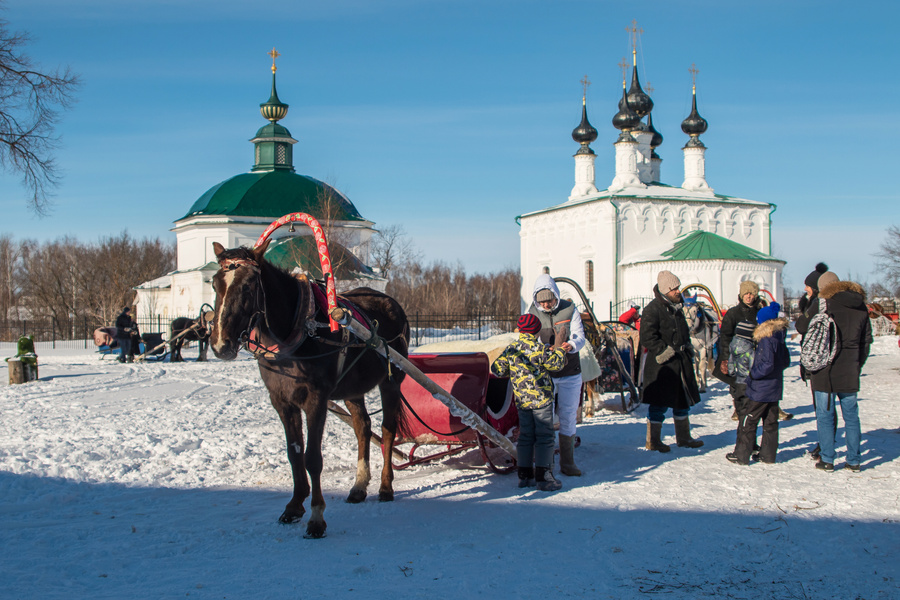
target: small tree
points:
(889, 258)
(390, 247)
(29, 104)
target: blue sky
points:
(451, 117)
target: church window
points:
(280, 151)
(257, 154)
(589, 275)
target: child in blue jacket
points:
(765, 387)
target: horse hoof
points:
(385, 496)
(315, 530)
(289, 519)
(356, 496)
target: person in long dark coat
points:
(809, 307)
(667, 372)
(125, 328)
(838, 383)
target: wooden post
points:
(16, 371)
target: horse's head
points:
(238, 297)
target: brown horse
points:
(304, 365)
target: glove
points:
(665, 355)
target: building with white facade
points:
(615, 241)
(235, 213)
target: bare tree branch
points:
(30, 101)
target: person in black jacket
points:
(667, 374)
(845, 302)
(764, 388)
(809, 307)
(125, 328)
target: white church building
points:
(614, 242)
(237, 211)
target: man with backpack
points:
(809, 307)
(845, 335)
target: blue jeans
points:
(826, 421)
(657, 413)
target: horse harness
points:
(301, 329)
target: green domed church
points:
(235, 212)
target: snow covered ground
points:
(165, 480)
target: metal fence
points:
(76, 333)
(425, 328)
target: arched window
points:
(589, 275)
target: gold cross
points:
(650, 88)
(693, 71)
(624, 66)
(274, 54)
(635, 32)
(584, 84)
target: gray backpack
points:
(819, 344)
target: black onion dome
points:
(694, 125)
(657, 138)
(626, 119)
(585, 133)
(638, 100)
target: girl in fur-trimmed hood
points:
(765, 387)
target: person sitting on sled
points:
(528, 363)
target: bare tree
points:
(10, 277)
(390, 247)
(889, 259)
(29, 105)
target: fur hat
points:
(748, 287)
(544, 295)
(826, 278)
(767, 313)
(528, 323)
(666, 281)
(812, 280)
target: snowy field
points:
(166, 480)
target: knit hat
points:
(826, 278)
(768, 313)
(666, 281)
(748, 287)
(544, 295)
(528, 323)
(812, 280)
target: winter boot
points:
(654, 433)
(526, 477)
(567, 456)
(546, 482)
(683, 434)
(784, 416)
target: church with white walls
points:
(613, 242)
(235, 212)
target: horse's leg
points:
(203, 346)
(362, 426)
(176, 351)
(391, 407)
(316, 409)
(292, 419)
(588, 408)
(701, 364)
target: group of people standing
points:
(544, 368)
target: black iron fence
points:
(79, 333)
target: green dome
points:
(289, 253)
(274, 194)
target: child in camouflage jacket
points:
(528, 362)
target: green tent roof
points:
(289, 253)
(274, 194)
(703, 245)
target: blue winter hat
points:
(768, 313)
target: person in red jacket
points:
(632, 316)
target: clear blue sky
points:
(453, 117)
